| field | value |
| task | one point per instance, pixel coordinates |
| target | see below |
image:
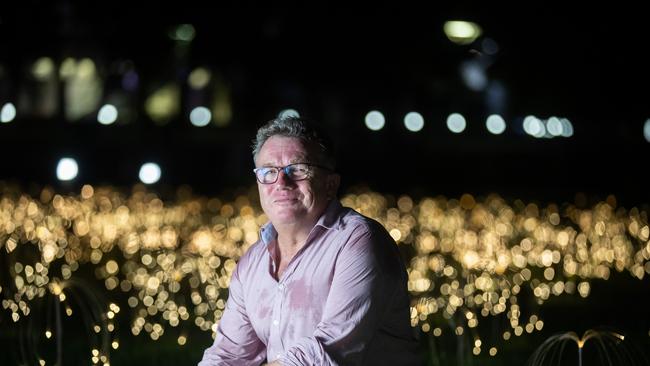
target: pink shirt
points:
(342, 300)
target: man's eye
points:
(268, 171)
(299, 170)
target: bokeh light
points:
(149, 173)
(67, 169)
(456, 123)
(375, 120)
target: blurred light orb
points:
(149, 173)
(646, 130)
(456, 123)
(489, 46)
(554, 126)
(473, 75)
(67, 169)
(199, 78)
(107, 114)
(43, 68)
(8, 113)
(200, 116)
(375, 120)
(567, 127)
(183, 33)
(461, 32)
(495, 124)
(413, 121)
(534, 126)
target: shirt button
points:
(276, 322)
(278, 356)
(281, 287)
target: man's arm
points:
(236, 342)
(366, 277)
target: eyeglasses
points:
(295, 172)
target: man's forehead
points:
(281, 147)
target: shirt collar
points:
(330, 219)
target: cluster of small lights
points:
(552, 127)
(471, 260)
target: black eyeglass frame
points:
(284, 169)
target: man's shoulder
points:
(351, 219)
(252, 254)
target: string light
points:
(174, 259)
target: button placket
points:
(276, 319)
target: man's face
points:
(286, 202)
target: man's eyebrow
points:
(298, 159)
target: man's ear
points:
(333, 182)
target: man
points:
(324, 285)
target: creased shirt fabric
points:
(342, 300)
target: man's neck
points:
(292, 237)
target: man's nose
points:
(283, 179)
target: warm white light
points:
(199, 78)
(375, 120)
(8, 113)
(43, 68)
(461, 32)
(67, 169)
(456, 123)
(495, 124)
(149, 173)
(200, 116)
(413, 121)
(107, 114)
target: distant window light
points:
(495, 124)
(149, 173)
(107, 114)
(200, 116)
(456, 123)
(67, 169)
(8, 113)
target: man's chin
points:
(288, 214)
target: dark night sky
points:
(334, 63)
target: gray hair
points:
(299, 128)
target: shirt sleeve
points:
(236, 342)
(366, 277)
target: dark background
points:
(334, 63)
